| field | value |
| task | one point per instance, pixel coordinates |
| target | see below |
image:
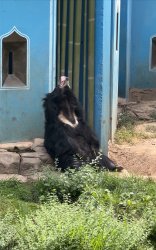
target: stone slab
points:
(23, 161)
(45, 158)
(9, 163)
(12, 145)
(37, 142)
(30, 166)
(29, 155)
(3, 150)
(40, 149)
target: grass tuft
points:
(153, 115)
(126, 132)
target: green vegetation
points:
(15, 195)
(85, 209)
(126, 120)
(153, 115)
(151, 128)
(126, 129)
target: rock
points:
(30, 166)
(3, 150)
(29, 155)
(38, 142)
(20, 145)
(43, 155)
(45, 158)
(40, 150)
(9, 163)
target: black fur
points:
(71, 146)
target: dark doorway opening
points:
(10, 63)
(14, 61)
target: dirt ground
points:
(139, 157)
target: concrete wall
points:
(21, 112)
(138, 19)
(106, 69)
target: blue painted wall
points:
(136, 32)
(143, 25)
(106, 74)
(21, 112)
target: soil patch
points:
(139, 159)
(138, 155)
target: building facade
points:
(137, 70)
(41, 40)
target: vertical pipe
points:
(77, 36)
(84, 55)
(91, 62)
(114, 64)
(105, 115)
(52, 44)
(58, 58)
(63, 16)
(128, 49)
(102, 71)
(99, 5)
(71, 41)
(67, 39)
(86, 60)
(82, 52)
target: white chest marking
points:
(63, 119)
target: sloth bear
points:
(67, 137)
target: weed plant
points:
(151, 128)
(126, 129)
(153, 115)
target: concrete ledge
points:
(21, 145)
(23, 158)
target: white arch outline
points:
(14, 29)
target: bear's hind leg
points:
(69, 161)
(105, 162)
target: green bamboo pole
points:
(91, 22)
(76, 49)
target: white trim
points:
(14, 29)
(118, 6)
(150, 55)
(52, 45)
(115, 66)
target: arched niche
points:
(14, 59)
